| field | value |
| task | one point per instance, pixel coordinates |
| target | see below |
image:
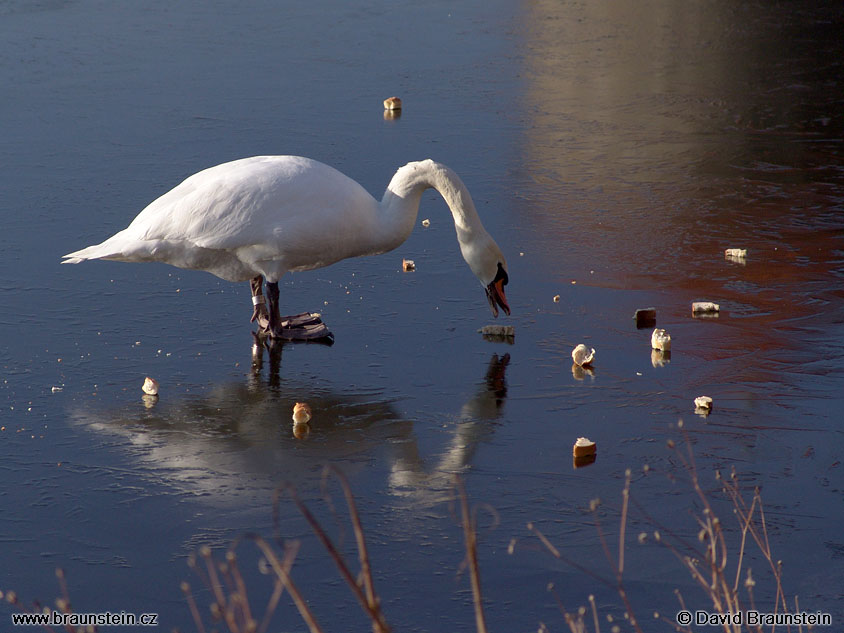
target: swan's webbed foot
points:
(307, 326)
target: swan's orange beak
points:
(496, 297)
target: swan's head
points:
(495, 290)
(490, 267)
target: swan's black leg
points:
(259, 311)
(274, 325)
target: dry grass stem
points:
(557, 554)
(285, 566)
(62, 605)
(709, 567)
(363, 555)
(594, 613)
(282, 571)
(194, 610)
(471, 537)
(367, 598)
(229, 592)
(618, 570)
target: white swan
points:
(258, 218)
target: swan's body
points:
(261, 217)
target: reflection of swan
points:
(238, 439)
(410, 478)
(258, 218)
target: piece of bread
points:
(583, 356)
(583, 447)
(392, 103)
(661, 340)
(703, 402)
(301, 413)
(699, 307)
(150, 386)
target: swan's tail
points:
(105, 250)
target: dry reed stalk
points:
(617, 565)
(367, 597)
(278, 585)
(240, 589)
(745, 516)
(194, 610)
(228, 588)
(708, 567)
(594, 613)
(470, 535)
(372, 600)
(62, 605)
(575, 624)
(282, 571)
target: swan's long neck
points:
(400, 204)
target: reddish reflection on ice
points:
(656, 143)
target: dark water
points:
(613, 151)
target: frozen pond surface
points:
(614, 152)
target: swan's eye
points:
(501, 274)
